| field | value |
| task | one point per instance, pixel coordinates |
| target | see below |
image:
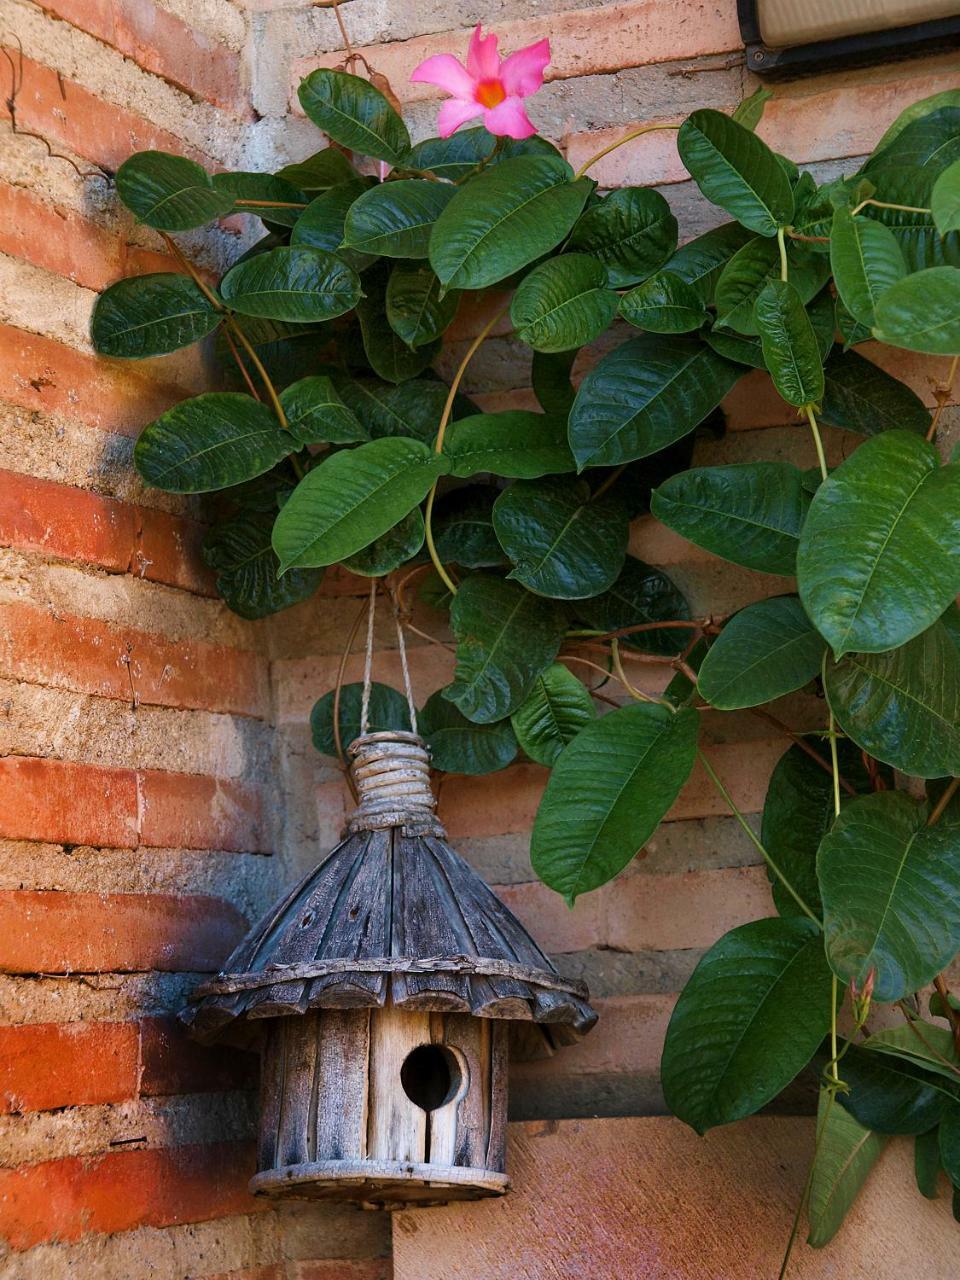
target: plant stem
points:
(637, 694)
(611, 479)
(782, 246)
(802, 743)
(883, 204)
(629, 137)
(269, 204)
(712, 775)
(940, 806)
(943, 394)
(818, 442)
(337, 688)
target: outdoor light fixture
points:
(793, 37)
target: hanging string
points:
(407, 686)
(368, 661)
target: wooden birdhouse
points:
(382, 989)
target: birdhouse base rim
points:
(388, 1184)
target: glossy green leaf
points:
(562, 543)
(925, 1043)
(749, 112)
(631, 231)
(925, 107)
(151, 315)
(866, 261)
(860, 396)
(879, 556)
(388, 355)
(355, 114)
(319, 172)
(700, 262)
(737, 171)
(931, 141)
(396, 218)
(210, 442)
(926, 1163)
(949, 1142)
(789, 344)
(504, 219)
(321, 224)
(553, 713)
(922, 313)
(750, 513)
(644, 395)
(316, 414)
(391, 549)
(889, 1095)
(748, 273)
(240, 553)
(563, 303)
(513, 443)
(351, 499)
(797, 811)
(608, 791)
(415, 311)
(765, 651)
(388, 710)
(293, 283)
(751, 1017)
(169, 192)
(413, 408)
(846, 1153)
(455, 157)
(550, 379)
(640, 595)
(916, 232)
(505, 637)
(738, 347)
(458, 745)
(945, 199)
(664, 304)
(903, 707)
(267, 193)
(463, 528)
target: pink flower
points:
(487, 86)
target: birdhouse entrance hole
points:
(431, 1076)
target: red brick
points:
(66, 1199)
(172, 1062)
(188, 811)
(72, 803)
(160, 42)
(341, 1269)
(48, 1065)
(91, 656)
(73, 524)
(168, 550)
(68, 115)
(47, 931)
(273, 1271)
(40, 374)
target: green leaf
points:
(415, 311)
(294, 283)
(260, 188)
(750, 513)
(457, 745)
(949, 1142)
(765, 651)
(151, 315)
(503, 219)
(513, 443)
(388, 355)
(700, 262)
(210, 442)
(737, 171)
(608, 791)
(324, 169)
(789, 344)
(903, 707)
(391, 549)
(455, 157)
(750, 111)
(866, 261)
(505, 637)
(664, 304)
(463, 528)
(926, 1163)
(553, 713)
(388, 710)
(879, 556)
(563, 303)
(852, 331)
(240, 552)
(396, 218)
(751, 1017)
(355, 114)
(846, 1153)
(920, 1042)
(321, 224)
(920, 243)
(169, 192)
(351, 499)
(550, 379)
(631, 231)
(640, 595)
(562, 543)
(888, 885)
(916, 110)
(860, 396)
(922, 313)
(931, 142)
(945, 199)
(644, 395)
(316, 414)
(736, 346)
(749, 271)
(889, 1095)
(411, 409)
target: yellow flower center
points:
(490, 93)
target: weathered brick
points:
(188, 811)
(75, 524)
(52, 932)
(71, 803)
(172, 1062)
(167, 549)
(341, 1269)
(67, 1199)
(48, 1065)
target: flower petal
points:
(522, 72)
(483, 61)
(508, 119)
(453, 113)
(447, 73)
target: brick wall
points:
(158, 785)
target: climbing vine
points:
(334, 441)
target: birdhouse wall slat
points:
(344, 1053)
(496, 1099)
(296, 1128)
(472, 1037)
(396, 1127)
(271, 1095)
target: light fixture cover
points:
(785, 23)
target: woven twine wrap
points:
(392, 775)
